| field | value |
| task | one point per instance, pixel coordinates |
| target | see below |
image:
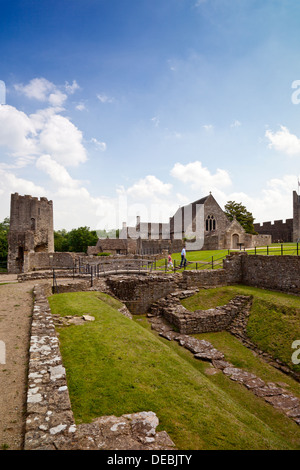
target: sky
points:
(119, 108)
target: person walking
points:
(183, 258)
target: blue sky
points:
(118, 108)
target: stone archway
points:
(235, 239)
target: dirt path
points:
(15, 319)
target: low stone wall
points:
(139, 292)
(50, 260)
(272, 272)
(205, 277)
(200, 321)
(50, 422)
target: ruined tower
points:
(296, 217)
(31, 230)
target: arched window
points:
(210, 223)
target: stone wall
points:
(199, 321)
(138, 292)
(41, 261)
(279, 230)
(272, 272)
(281, 273)
(230, 274)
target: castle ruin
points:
(31, 230)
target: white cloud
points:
(56, 171)
(43, 90)
(57, 98)
(284, 141)
(17, 131)
(37, 88)
(9, 182)
(72, 88)
(155, 121)
(235, 123)
(81, 107)
(149, 187)
(100, 145)
(61, 139)
(208, 127)
(104, 98)
(200, 178)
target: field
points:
(116, 366)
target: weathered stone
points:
(268, 390)
(239, 375)
(284, 402)
(209, 355)
(221, 364)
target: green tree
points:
(80, 238)
(61, 240)
(242, 215)
(4, 228)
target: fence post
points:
(267, 250)
(281, 249)
(196, 266)
(255, 250)
(212, 262)
(297, 248)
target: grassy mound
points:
(116, 366)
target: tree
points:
(80, 238)
(61, 240)
(4, 228)
(244, 217)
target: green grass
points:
(205, 258)
(274, 321)
(117, 366)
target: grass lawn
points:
(204, 259)
(116, 366)
(274, 321)
(207, 258)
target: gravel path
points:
(15, 320)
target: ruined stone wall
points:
(138, 292)
(230, 274)
(39, 261)
(200, 321)
(272, 272)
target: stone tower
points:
(296, 217)
(31, 230)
